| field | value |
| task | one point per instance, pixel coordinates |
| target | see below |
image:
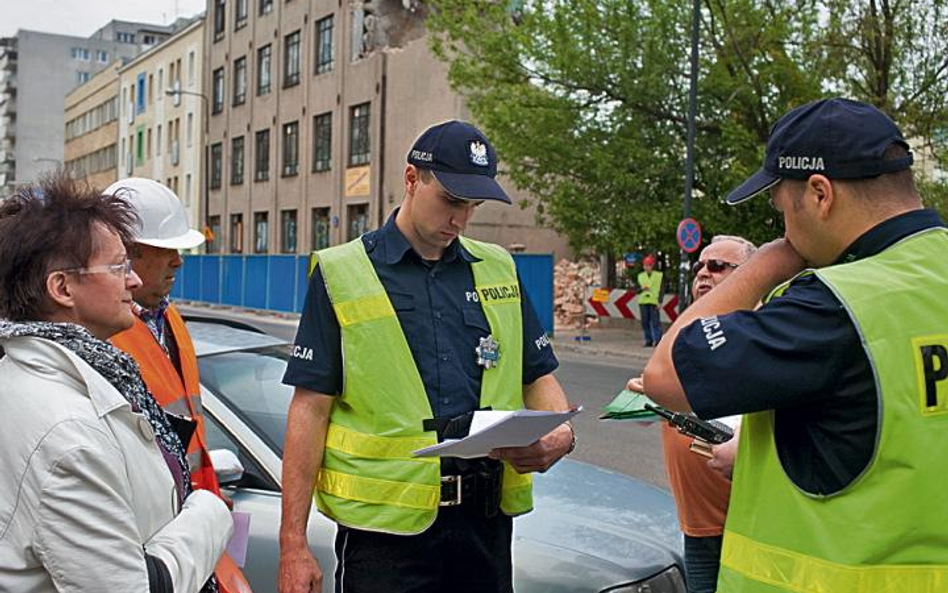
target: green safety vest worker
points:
(369, 479)
(651, 285)
(886, 530)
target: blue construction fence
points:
(279, 282)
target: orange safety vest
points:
(180, 394)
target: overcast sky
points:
(84, 17)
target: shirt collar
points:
(158, 312)
(390, 246)
(889, 232)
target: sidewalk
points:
(615, 342)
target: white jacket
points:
(85, 490)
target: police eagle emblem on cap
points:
(479, 153)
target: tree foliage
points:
(586, 100)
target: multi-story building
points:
(162, 116)
(92, 131)
(314, 106)
(46, 66)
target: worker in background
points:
(159, 340)
(650, 294)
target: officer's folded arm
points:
(543, 394)
(770, 266)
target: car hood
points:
(580, 537)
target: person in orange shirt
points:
(158, 340)
(701, 486)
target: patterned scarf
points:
(122, 372)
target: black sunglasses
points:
(715, 266)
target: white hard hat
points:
(164, 222)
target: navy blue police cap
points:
(838, 138)
(461, 159)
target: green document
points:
(629, 405)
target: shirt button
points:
(437, 314)
(445, 357)
(444, 400)
(145, 428)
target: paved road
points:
(626, 447)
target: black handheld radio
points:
(710, 431)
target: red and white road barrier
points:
(619, 302)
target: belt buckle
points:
(457, 490)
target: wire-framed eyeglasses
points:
(120, 269)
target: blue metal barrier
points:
(279, 282)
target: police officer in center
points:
(406, 331)
(842, 374)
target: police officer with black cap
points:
(405, 332)
(842, 374)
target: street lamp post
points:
(690, 145)
(206, 172)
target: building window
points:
(190, 130)
(291, 148)
(240, 14)
(219, 19)
(218, 91)
(102, 57)
(140, 93)
(236, 233)
(320, 228)
(125, 37)
(217, 164)
(357, 36)
(140, 146)
(80, 53)
(359, 135)
(149, 40)
(266, 6)
(261, 170)
(291, 59)
(82, 77)
(324, 53)
(322, 142)
(214, 245)
(158, 141)
(237, 160)
(358, 217)
(240, 80)
(263, 70)
(288, 231)
(190, 69)
(260, 232)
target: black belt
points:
(477, 487)
(458, 489)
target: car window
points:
(250, 384)
(219, 438)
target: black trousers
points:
(462, 552)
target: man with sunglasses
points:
(842, 374)
(700, 490)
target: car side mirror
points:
(227, 467)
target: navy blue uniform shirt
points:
(799, 355)
(437, 309)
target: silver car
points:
(593, 530)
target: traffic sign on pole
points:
(689, 235)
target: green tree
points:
(586, 100)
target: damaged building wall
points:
(379, 24)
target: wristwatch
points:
(572, 444)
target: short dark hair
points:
(899, 185)
(48, 226)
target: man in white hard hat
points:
(158, 340)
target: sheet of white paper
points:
(491, 430)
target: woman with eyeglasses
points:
(95, 495)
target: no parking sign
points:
(689, 235)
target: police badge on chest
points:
(488, 352)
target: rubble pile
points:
(570, 280)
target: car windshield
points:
(250, 384)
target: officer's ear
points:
(820, 192)
(412, 179)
